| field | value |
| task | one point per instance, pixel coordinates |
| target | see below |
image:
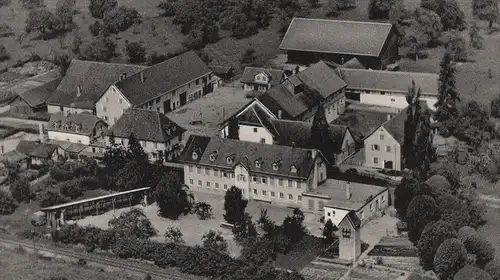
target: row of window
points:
(376, 147)
(208, 184)
(273, 194)
(107, 100)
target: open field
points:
(29, 267)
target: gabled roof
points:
(274, 75)
(396, 126)
(390, 80)
(319, 82)
(248, 153)
(353, 219)
(147, 125)
(321, 78)
(336, 36)
(221, 70)
(38, 96)
(83, 123)
(287, 132)
(12, 157)
(362, 123)
(162, 78)
(93, 78)
(353, 63)
(36, 149)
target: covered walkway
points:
(56, 215)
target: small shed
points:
(225, 72)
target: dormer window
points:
(195, 155)
(276, 165)
(258, 77)
(293, 169)
(213, 156)
(168, 131)
(173, 128)
(229, 160)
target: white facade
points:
(69, 137)
(382, 150)
(111, 105)
(152, 149)
(395, 100)
(336, 215)
(251, 133)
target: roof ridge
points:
(391, 72)
(107, 63)
(348, 21)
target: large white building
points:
(163, 87)
(388, 88)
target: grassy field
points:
(28, 267)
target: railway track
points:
(156, 273)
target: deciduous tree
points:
(433, 235)
(486, 10)
(7, 203)
(20, 190)
(174, 235)
(450, 258)
(99, 49)
(98, 8)
(472, 273)
(173, 197)
(379, 9)
(329, 232)
(493, 268)
(136, 52)
(133, 224)
(477, 245)
(120, 19)
(293, 227)
(234, 206)
(42, 21)
(214, 241)
(421, 211)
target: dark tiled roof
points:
(390, 80)
(147, 125)
(224, 70)
(396, 126)
(299, 133)
(35, 149)
(240, 150)
(321, 78)
(38, 96)
(353, 63)
(93, 77)
(163, 77)
(319, 81)
(362, 123)
(353, 219)
(12, 157)
(84, 122)
(274, 75)
(336, 36)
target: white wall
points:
(393, 100)
(70, 137)
(334, 214)
(382, 154)
(115, 104)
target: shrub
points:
(450, 258)
(477, 245)
(7, 205)
(51, 198)
(433, 235)
(99, 49)
(136, 52)
(133, 224)
(214, 241)
(98, 8)
(472, 273)
(120, 19)
(20, 190)
(168, 9)
(203, 210)
(379, 9)
(173, 235)
(457, 48)
(493, 268)
(421, 211)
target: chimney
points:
(389, 117)
(40, 131)
(142, 77)
(280, 113)
(313, 153)
(79, 90)
(123, 76)
(348, 190)
(2, 149)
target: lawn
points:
(25, 266)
